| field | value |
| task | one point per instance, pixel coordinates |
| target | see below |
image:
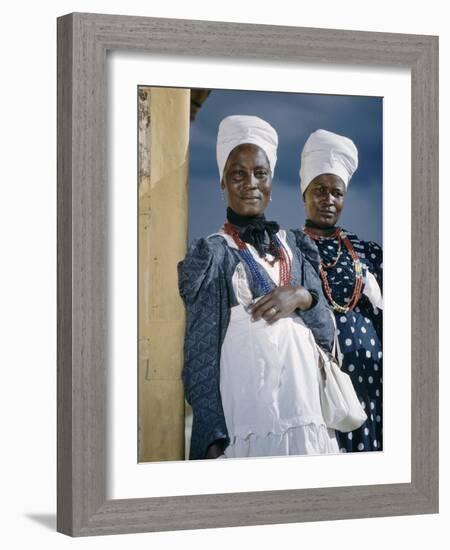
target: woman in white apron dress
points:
(255, 314)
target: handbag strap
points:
(336, 352)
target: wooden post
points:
(163, 214)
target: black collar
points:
(255, 230)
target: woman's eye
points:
(238, 173)
(261, 173)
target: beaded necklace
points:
(357, 267)
(255, 269)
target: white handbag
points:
(341, 408)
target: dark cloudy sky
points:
(294, 116)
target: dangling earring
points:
(223, 195)
(270, 198)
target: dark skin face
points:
(247, 180)
(324, 200)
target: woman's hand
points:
(281, 302)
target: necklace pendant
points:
(268, 261)
(357, 268)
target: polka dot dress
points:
(360, 338)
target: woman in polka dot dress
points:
(351, 273)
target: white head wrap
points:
(327, 153)
(235, 130)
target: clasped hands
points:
(280, 303)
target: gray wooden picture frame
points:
(83, 41)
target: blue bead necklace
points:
(253, 265)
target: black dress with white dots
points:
(360, 337)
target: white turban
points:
(327, 153)
(235, 130)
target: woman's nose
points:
(251, 181)
(328, 199)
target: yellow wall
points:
(163, 211)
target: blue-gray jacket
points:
(205, 284)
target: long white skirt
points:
(269, 384)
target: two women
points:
(255, 314)
(256, 310)
(351, 273)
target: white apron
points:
(269, 385)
